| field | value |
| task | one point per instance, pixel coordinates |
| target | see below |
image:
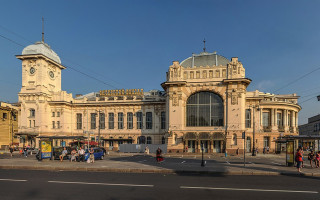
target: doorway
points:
(205, 144)
(248, 144)
(217, 146)
(191, 146)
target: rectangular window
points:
(130, 120)
(120, 120)
(111, 120)
(53, 114)
(34, 123)
(139, 120)
(32, 113)
(289, 120)
(58, 114)
(248, 118)
(93, 120)
(4, 115)
(279, 120)
(102, 121)
(79, 121)
(58, 124)
(53, 124)
(163, 120)
(266, 141)
(265, 119)
(149, 120)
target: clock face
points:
(32, 70)
(51, 74)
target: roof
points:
(205, 59)
(41, 48)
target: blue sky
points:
(131, 44)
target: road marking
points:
(4, 179)
(183, 162)
(228, 162)
(244, 189)
(108, 184)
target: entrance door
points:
(191, 146)
(217, 146)
(205, 145)
(248, 144)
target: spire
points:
(204, 45)
(42, 29)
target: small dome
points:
(205, 59)
(41, 48)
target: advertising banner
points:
(290, 153)
(46, 150)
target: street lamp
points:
(202, 161)
(254, 131)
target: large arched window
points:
(204, 109)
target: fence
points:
(140, 148)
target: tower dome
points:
(205, 59)
(41, 48)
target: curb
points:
(159, 171)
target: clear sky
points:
(130, 44)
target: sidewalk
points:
(216, 164)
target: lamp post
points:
(254, 130)
(202, 161)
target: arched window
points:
(204, 109)
(234, 139)
(149, 140)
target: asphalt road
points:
(19, 184)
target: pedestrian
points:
(299, 160)
(302, 164)
(237, 151)
(25, 151)
(73, 155)
(264, 150)
(81, 153)
(91, 157)
(11, 150)
(268, 149)
(317, 159)
(186, 149)
(158, 155)
(63, 154)
(147, 151)
(311, 158)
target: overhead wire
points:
(72, 68)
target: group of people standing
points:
(312, 157)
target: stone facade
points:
(155, 117)
(312, 128)
(8, 124)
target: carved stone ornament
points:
(175, 101)
(234, 100)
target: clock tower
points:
(41, 82)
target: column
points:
(285, 121)
(273, 124)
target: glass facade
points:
(204, 109)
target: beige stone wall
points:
(8, 124)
